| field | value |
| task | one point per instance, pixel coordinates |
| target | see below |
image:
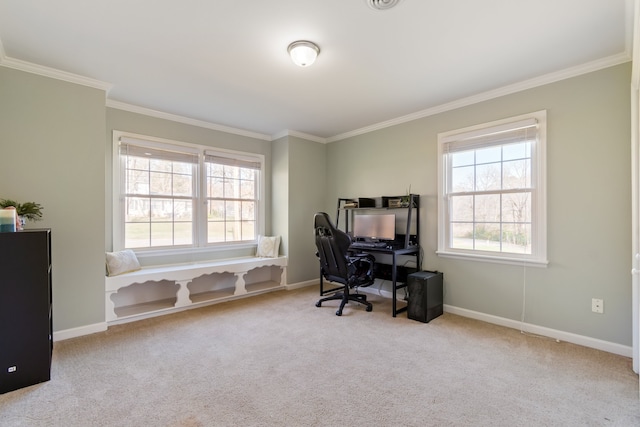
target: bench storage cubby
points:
(156, 290)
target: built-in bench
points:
(156, 290)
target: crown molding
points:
(185, 120)
(41, 70)
(589, 67)
(307, 136)
(623, 57)
(635, 46)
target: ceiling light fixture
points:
(382, 4)
(303, 53)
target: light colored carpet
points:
(277, 360)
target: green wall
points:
(299, 189)
(588, 203)
(52, 137)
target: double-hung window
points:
(492, 191)
(172, 195)
(232, 198)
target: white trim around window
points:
(492, 189)
(193, 198)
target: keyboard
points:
(365, 245)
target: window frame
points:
(538, 256)
(200, 243)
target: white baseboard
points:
(292, 286)
(607, 346)
(622, 350)
(582, 340)
(79, 331)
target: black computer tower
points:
(25, 309)
(425, 295)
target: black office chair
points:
(338, 264)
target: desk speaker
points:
(425, 295)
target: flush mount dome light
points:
(382, 4)
(303, 53)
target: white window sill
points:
(528, 262)
(150, 254)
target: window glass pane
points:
(462, 179)
(488, 177)
(137, 182)
(137, 235)
(233, 231)
(214, 169)
(183, 233)
(183, 168)
(161, 234)
(183, 210)
(215, 210)
(516, 174)
(516, 238)
(489, 155)
(230, 172)
(215, 187)
(464, 158)
(247, 189)
(215, 232)
(248, 230)
(248, 174)
(229, 186)
(232, 210)
(137, 209)
(462, 208)
(487, 237)
(160, 183)
(520, 150)
(161, 210)
(137, 163)
(487, 208)
(248, 211)
(516, 208)
(462, 235)
(182, 185)
(159, 165)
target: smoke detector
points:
(382, 4)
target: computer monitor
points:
(374, 227)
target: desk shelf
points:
(408, 214)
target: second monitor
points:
(374, 227)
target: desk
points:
(394, 252)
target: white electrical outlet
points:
(597, 305)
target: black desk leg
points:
(393, 284)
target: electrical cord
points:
(524, 300)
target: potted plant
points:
(406, 199)
(26, 211)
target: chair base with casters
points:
(341, 265)
(346, 296)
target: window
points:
(182, 196)
(232, 198)
(493, 191)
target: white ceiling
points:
(226, 62)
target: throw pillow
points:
(121, 262)
(268, 247)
